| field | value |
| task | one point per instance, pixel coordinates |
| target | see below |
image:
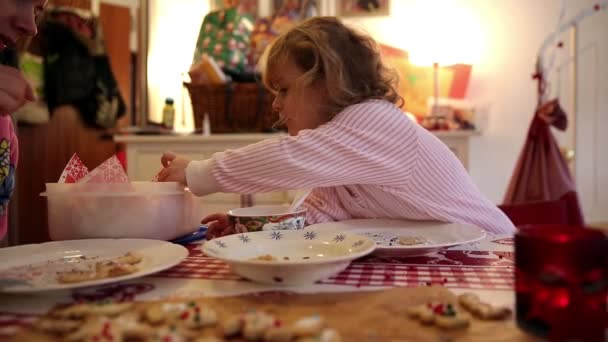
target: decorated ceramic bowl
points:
(258, 218)
(288, 257)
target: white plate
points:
(39, 264)
(386, 233)
(301, 256)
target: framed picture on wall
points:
(362, 8)
(245, 6)
(295, 9)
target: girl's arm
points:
(366, 144)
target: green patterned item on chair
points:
(225, 36)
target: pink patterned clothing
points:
(9, 155)
(369, 161)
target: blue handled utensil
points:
(199, 234)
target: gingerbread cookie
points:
(482, 310)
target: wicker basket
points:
(233, 107)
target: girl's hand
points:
(174, 168)
(15, 90)
(218, 225)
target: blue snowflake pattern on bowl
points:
(276, 235)
(244, 238)
(359, 243)
(221, 244)
(340, 238)
(310, 235)
(213, 250)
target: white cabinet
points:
(144, 151)
(458, 142)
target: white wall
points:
(511, 34)
(173, 30)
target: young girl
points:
(17, 20)
(347, 139)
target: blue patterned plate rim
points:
(213, 247)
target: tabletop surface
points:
(486, 268)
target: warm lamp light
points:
(447, 33)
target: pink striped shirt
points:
(369, 161)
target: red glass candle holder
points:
(561, 282)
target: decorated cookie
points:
(442, 315)
(256, 324)
(189, 314)
(188, 321)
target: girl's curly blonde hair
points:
(346, 62)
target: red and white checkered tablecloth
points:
(464, 269)
(11, 322)
(486, 266)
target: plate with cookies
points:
(402, 238)
(62, 265)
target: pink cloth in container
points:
(110, 171)
(73, 171)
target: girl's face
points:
(300, 108)
(18, 20)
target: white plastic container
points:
(153, 210)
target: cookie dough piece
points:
(329, 335)
(76, 276)
(209, 339)
(443, 315)
(56, 326)
(410, 240)
(278, 334)
(188, 314)
(96, 328)
(482, 310)
(326, 335)
(130, 258)
(423, 313)
(165, 333)
(457, 321)
(256, 325)
(232, 326)
(85, 309)
(469, 300)
(196, 317)
(308, 326)
(265, 257)
(109, 269)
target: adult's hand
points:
(15, 90)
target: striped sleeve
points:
(365, 144)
